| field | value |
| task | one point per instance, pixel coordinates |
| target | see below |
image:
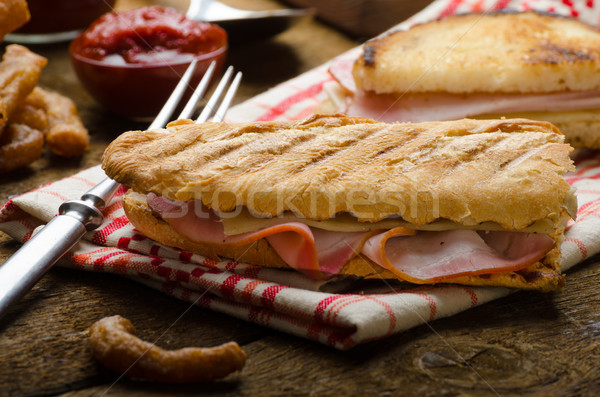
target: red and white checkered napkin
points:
(280, 299)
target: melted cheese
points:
(244, 222)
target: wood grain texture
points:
(525, 344)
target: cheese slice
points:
(242, 221)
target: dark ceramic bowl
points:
(138, 91)
(131, 61)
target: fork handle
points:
(23, 269)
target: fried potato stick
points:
(23, 140)
(31, 116)
(20, 145)
(20, 71)
(13, 15)
(115, 346)
(65, 133)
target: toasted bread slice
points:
(466, 171)
(487, 53)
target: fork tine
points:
(216, 96)
(167, 110)
(198, 92)
(220, 114)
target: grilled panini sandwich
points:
(474, 202)
(510, 64)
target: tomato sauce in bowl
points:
(131, 61)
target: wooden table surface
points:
(525, 344)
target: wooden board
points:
(525, 344)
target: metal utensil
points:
(76, 217)
(245, 24)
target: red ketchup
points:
(53, 16)
(143, 51)
(148, 35)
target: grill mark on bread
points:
(323, 152)
(368, 56)
(322, 157)
(556, 54)
(335, 153)
(472, 156)
(481, 154)
(389, 150)
(519, 156)
(212, 153)
(313, 152)
(274, 156)
(328, 176)
(248, 129)
(453, 160)
(255, 148)
(243, 151)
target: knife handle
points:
(24, 268)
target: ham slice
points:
(419, 257)
(317, 253)
(341, 71)
(434, 256)
(443, 106)
(194, 223)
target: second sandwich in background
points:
(509, 64)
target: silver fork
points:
(76, 217)
(244, 24)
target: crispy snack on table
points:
(20, 145)
(65, 133)
(470, 202)
(23, 140)
(13, 15)
(20, 70)
(115, 346)
(31, 116)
